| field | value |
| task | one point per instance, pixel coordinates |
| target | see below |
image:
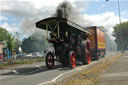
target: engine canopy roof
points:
(53, 20)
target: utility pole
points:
(121, 36)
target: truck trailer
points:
(97, 42)
(71, 42)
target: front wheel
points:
(72, 58)
(49, 60)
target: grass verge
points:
(19, 62)
(90, 75)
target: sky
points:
(21, 15)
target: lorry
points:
(71, 42)
(97, 42)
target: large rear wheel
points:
(85, 52)
(49, 60)
(72, 58)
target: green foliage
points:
(10, 41)
(3, 34)
(117, 34)
(7, 37)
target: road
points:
(37, 74)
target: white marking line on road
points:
(15, 71)
(38, 66)
(57, 77)
(54, 80)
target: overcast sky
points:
(21, 15)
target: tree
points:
(3, 34)
(117, 35)
(7, 37)
(10, 41)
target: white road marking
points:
(38, 66)
(15, 71)
(57, 77)
(54, 80)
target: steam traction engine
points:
(69, 39)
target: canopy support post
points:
(47, 30)
(58, 30)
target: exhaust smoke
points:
(66, 10)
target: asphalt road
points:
(38, 74)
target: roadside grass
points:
(90, 76)
(3, 65)
(19, 62)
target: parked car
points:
(38, 54)
(19, 56)
(29, 55)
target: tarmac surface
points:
(38, 74)
(117, 74)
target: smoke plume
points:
(66, 10)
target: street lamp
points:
(121, 36)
